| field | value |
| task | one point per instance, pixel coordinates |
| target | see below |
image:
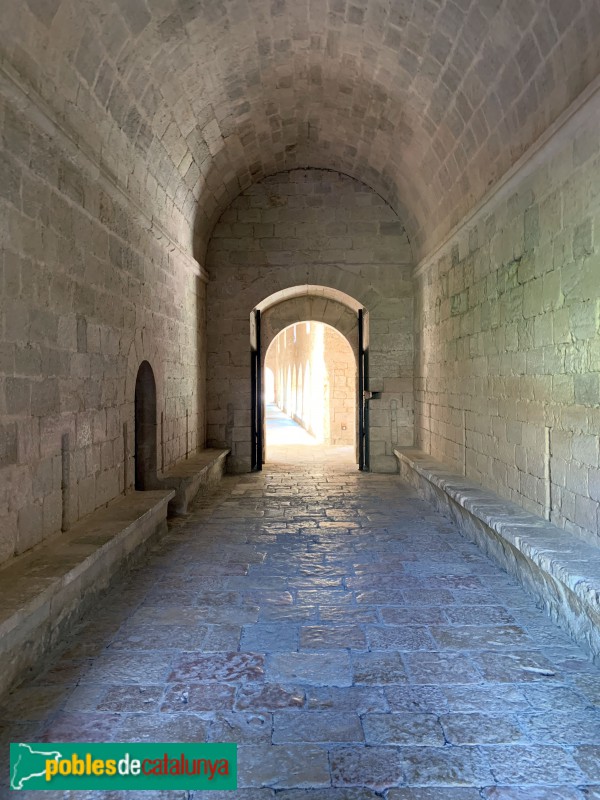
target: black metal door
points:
(256, 392)
(363, 394)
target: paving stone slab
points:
(269, 697)
(533, 793)
(243, 728)
(312, 669)
(399, 637)
(477, 728)
(328, 794)
(181, 698)
(403, 729)
(536, 764)
(375, 669)
(433, 794)
(441, 667)
(445, 766)
(325, 637)
(587, 758)
(145, 727)
(217, 667)
(283, 766)
(377, 767)
(360, 699)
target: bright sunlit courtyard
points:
(310, 390)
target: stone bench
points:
(192, 476)
(45, 590)
(562, 571)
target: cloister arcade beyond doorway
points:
(311, 376)
(290, 334)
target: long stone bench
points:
(562, 571)
(193, 476)
(45, 590)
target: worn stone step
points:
(45, 590)
(562, 571)
(192, 476)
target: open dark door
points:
(363, 394)
(256, 391)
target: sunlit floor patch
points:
(290, 444)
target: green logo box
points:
(123, 766)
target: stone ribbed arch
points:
(308, 303)
(309, 308)
(300, 304)
(311, 291)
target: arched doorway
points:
(295, 309)
(324, 400)
(145, 429)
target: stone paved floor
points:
(345, 635)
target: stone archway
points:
(319, 304)
(309, 303)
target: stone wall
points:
(314, 372)
(508, 364)
(320, 228)
(89, 290)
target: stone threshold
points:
(44, 591)
(560, 570)
(193, 476)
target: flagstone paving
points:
(345, 635)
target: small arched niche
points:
(145, 429)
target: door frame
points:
(258, 412)
(257, 394)
(362, 399)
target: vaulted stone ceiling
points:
(187, 102)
